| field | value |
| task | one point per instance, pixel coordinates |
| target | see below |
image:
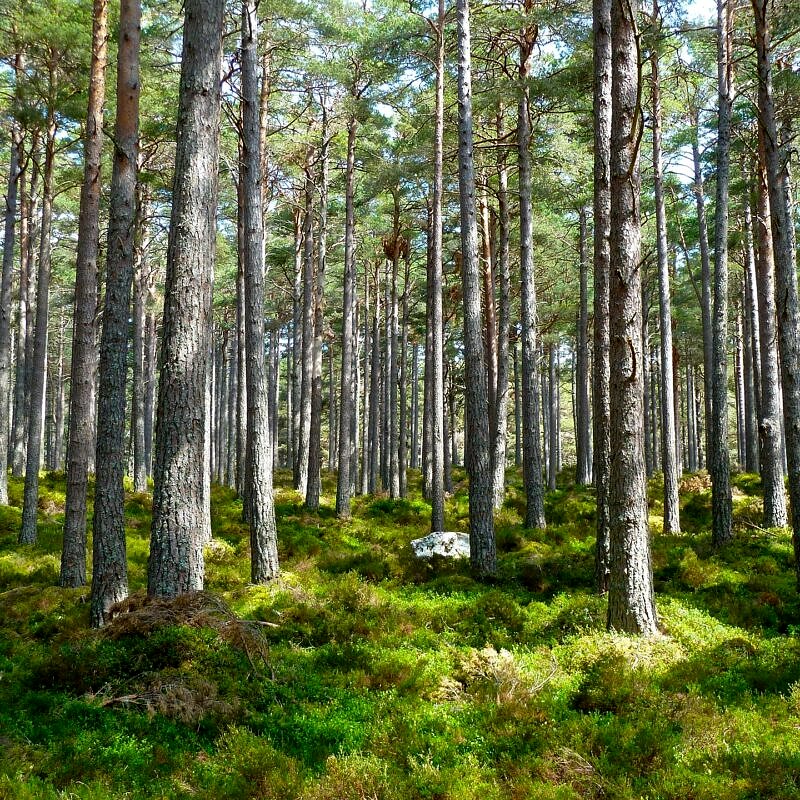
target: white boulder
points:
(447, 544)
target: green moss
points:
(372, 674)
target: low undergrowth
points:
(361, 673)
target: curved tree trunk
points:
(631, 604)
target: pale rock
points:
(447, 544)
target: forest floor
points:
(364, 674)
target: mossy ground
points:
(378, 677)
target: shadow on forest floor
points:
(363, 673)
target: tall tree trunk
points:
(138, 389)
(109, 573)
(435, 387)
(691, 431)
(500, 430)
(355, 429)
(490, 329)
(241, 355)
(719, 455)
(631, 604)
(258, 473)
(554, 387)
(332, 411)
(414, 459)
(313, 484)
(602, 230)
(58, 394)
(365, 409)
(752, 345)
(583, 441)
(776, 160)
(739, 389)
(297, 340)
(384, 375)
(517, 411)
(38, 360)
(531, 452)
(646, 381)
(20, 370)
(374, 388)
(176, 555)
(402, 428)
(669, 464)
(397, 245)
(306, 362)
(151, 341)
(35, 221)
(481, 513)
(5, 294)
(705, 272)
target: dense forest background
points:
(285, 286)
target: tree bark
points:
(490, 325)
(531, 452)
(500, 430)
(20, 368)
(631, 604)
(297, 340)
(38, 359)
(517, 411)
(176, 556)
(719, 455)
(258, 473)
(109, 566)
(397, 242)
(313, 484)
(374, 389)
(138, 389)
(306, 362)
(583, 441)
(402, 428)
(483, 556)
(669, 462)
(434, 395)
(776, 161)
(5, 293)
(602, 231)
(752, 345)
(706, 299)
(241, 354)
(554, 388)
